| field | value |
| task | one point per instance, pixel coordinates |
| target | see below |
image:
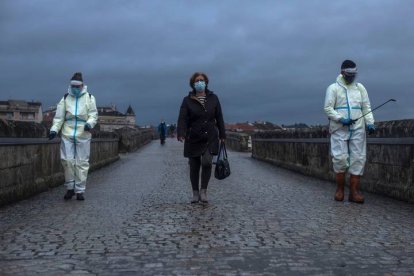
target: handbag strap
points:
(220, 150)
(225, 151)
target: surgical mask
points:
(200, 86)
(75, 91)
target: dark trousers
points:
(205, 162)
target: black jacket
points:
(201, 126)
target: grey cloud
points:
(266, 60)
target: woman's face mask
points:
(75, 90)
(200, 85)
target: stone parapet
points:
(28, 167)
(30, 163)
(132, 139)
(390, 154)
(238, 141)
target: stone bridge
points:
(262, 220)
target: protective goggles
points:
(350, 71)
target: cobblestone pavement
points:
(262, 220)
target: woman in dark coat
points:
(200, 125)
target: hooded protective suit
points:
(348, 143)
(72, 113)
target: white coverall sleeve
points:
(329, 106)
(92, 113)
(366, 105)
(59, 118)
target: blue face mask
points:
(75, 91)
(200, 86)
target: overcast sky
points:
(266, 60)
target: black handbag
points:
(222, 164)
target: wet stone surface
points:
(262, 220)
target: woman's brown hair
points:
(195, 75)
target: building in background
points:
(18, 110)
(110, 119)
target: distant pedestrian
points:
(200, 125)
(162, 131)
(345, 102)
(76, 115)
(171, 130)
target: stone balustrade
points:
(238, 141)
(390, 154)
(30, 164)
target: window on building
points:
(6, 115)
(27, 115)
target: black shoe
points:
(80, 196)
(69, 194)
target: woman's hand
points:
(181, 139)
(223, 140)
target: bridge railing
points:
(238, 141)
(31, 165)
(389, 169)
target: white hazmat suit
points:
(348, 143)
(72, 113)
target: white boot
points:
(203, 195)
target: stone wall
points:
(31, 165)
(237, 141)
(390, 155)
(133, 139)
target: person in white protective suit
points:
(345, 102)
(76, 115)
